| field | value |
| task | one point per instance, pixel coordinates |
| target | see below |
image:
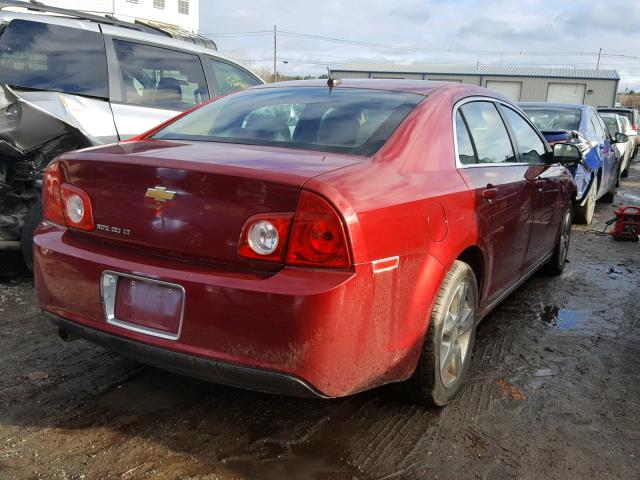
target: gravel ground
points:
(553, 393)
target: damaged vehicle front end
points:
(30, 137)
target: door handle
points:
(490, 193)
(540, 185)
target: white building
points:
(180, 13)
(518, 83)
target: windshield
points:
(612, 124)
(554, 119)
(344, 120)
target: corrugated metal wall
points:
(534, 89)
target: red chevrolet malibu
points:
(305, 238)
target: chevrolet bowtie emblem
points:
(160, 194)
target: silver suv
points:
(70, 80)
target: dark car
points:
(307, 239)
(597, 176)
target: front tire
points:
(446, 352)
(583, 214)
(555, 265)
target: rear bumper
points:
(192, 366)
(337, 332)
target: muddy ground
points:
(553, 394)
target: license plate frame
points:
(108, 287)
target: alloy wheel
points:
(565, 237)
(591, 201)
(456, 334)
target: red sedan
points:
(305, 238)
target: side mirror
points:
(566, 154)
(621, 138)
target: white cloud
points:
(542, 26)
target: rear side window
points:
(347, 120)
(159, 77)
(598, 127)
(229, 78)
(488, 132)
(466, 154)
(530, 146)
(49, 57)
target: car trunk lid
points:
(190, 199)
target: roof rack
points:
(140, 25)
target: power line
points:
(427, 50)
(238, 34)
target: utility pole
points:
(275, 53)
(599, 55)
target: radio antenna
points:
(332, 82)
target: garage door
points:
(511, 90)
(566, 92)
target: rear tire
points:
(583, 214)
(446, 352)
(31, 222)
(555, 265)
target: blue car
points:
(598, 174)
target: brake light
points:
(51, 196)
(77, 208)
(633, 127)
(264, 237)
(63, 203)
(318, 237)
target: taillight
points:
(77, 208)
(317, 237)
(63, 203)
(51, 196)
(633, 127)
(264, 237)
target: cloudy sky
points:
(528, 32)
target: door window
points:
(602, 127)
(229, 78)
(488, 132)
(600, 134)
(50, 57)
(160, 78)
(466, 154)
(530, 146)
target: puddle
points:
(562, 319)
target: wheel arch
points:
(473, 256)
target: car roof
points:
(122, 32)
(552, 105)
(420, 87)
(617, 109)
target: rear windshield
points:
(554, 119)
(344, 120)
(50, 57)
(626, 113)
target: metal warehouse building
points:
(520, 84)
